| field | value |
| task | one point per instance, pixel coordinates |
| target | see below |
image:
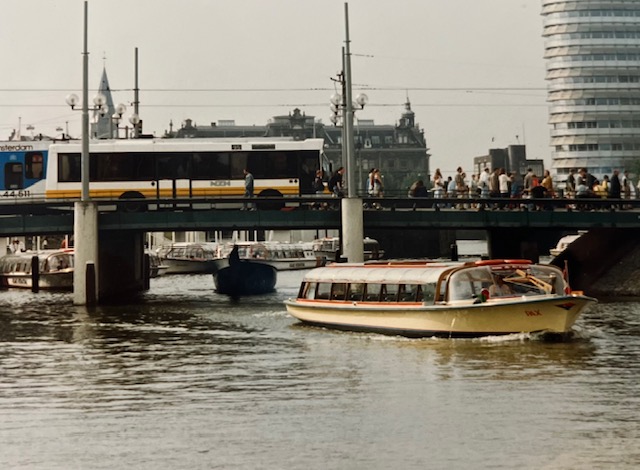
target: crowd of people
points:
(497, 183)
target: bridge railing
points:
(322, 202)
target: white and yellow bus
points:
(185, 168)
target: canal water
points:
(188, 379)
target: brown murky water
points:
(190, 379)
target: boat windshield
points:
(504, 281)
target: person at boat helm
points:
(499, 288)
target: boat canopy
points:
(422, 273)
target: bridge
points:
(299, 213)
(406, 227)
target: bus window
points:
(13, 176)
(173, 166)
(34, 165)
(239, 161)
(69, 167)
(210, 165)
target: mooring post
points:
(90, 282)
(35, 274)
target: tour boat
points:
(328, 249)
(282, 256)
(429, 298)
(156, 267)
(564, 243)
(189, 258)
(55, 269)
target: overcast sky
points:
(472, 69)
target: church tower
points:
(101, 125)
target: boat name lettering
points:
(533, 313)
(21, 193)
(220, 183)
(20, 280)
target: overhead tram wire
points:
(279, 90)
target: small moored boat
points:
(328, 249)
(55, 269)
(417, 299)
(244, 277)
(282, 256)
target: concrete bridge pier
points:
(85, 234)
(122, 269)
(108, 265)
(352, 229)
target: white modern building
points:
(592, 49)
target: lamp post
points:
(351, 217)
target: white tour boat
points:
(564, 243)
(156, 267)
(281, 255)
(328, 248)
(417, 299)
(189, 258)
(55, 268)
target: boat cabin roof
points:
(390, 273)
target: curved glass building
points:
(592, 49)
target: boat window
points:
(468, 283)
(535, 280)
(308, 290)
(390, 292)
(339, 291)
(426, 293)
(355, 291)
(373, 292)
(324, 290)
(408, 292)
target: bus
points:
(23, 170)
(185, 168)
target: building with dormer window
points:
(398, 150)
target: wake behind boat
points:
(417, 299)
(55, 269)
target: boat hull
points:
(553, 314)
(49, 281)
(245, 278)
(184, 266)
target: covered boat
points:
(280, 255)
(243, 277)
(55, 269)
(328, 249)
(416, 299)
(189, 258)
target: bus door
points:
(13, 176)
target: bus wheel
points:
(129, 205)
(270, 205)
